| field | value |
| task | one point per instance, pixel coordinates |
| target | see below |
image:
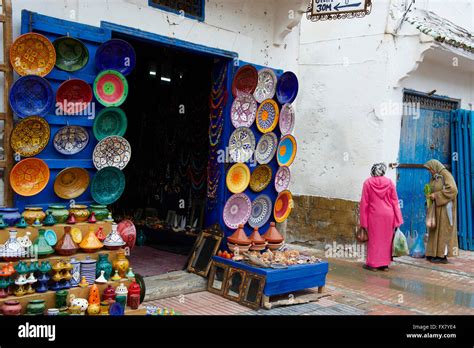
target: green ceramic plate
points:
(110, 121)
(107, 185)
(71, 54)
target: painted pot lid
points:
(73, 96)
(266, 87)
(71, 54)
(116, 54)
(261, 211)
(283, 206)
(287, 88)
(244, 110)
(238, 178)
(260, 178)
(241, 144)
(29, 176)
(267, 116)
(110, 121)
(127, 230)
(245, 80)
(256, 238)
(71, 182)
(266, 148)
(30, 136)
(76, 235)
(110, 88)
(287, 119)
(107, 185)
(31, 95)
(286, 150)
(51, 237)
(113, 151)
(32, 54)
(70, 140)
(282, 179)
(237, 210)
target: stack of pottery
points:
(273, 237)
(66, 245)
(23, 281)
(32, 214)
(12, 250)
(61, 275)
(258, 242)
(121, 293)
(80, 212)
(5, 281)
(59, 213)
(44, 277)
(10, 216)
(91, 243)
(114, 241)
(238, 242)
(88, 269)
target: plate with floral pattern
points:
(70, 140)
(30, 136)
(261, 211)
(244, 110)
(266, 148)
(32, 54)
(113, 151)
(31, 96)
(237, 210)
(241, 144)
(287, 119)
(267, 116)
(282, 179)
(266, 86)
(260, 178)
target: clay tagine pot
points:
(91, 243)
(258, 242)
(239, 237)
(272, 235)
(66, 245)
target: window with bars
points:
(188, 8)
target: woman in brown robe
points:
(443, 238)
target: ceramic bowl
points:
(32, 54)
(241, 248)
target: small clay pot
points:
(11, 308)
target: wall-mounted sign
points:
(338, 9)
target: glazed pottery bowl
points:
(266, 86)
(30, 136)
(237, 210)
(10, 215)
(73, 96)
(245, 80)
(81, 213)
(59, 212)
(71, 182)
(238, 178)
(267, 116)
(32, 54)
(101, 211)
(72, 54)
(29, 176)
(115, 54)
(32, 213)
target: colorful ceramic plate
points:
(31, 95)
(238, 178)
(261, 211)
(110, 88)
(29, 176)
(266, 148)
(76, 235)
(128, 232)
(244, 109)
(241, 144)
(116, 55)
(282, 179)
(71, 54)
(32, 54)
(73, 96)
(71, 182)
(110, 121)
(287, 88)
(107, 185)
(283, 206)
(286, 150)
(287, 119)
(237, 210)
(245, 80)
(266, 87)
(260, 178)
(51, 237)
(113, 151)
(267, 116)
(70, 140)
(30, 136)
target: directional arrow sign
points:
(335, 7)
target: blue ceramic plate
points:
(287, 88)
(70, 140)
(31, 95)
(117, 55)
(107, 185)
(50, 237)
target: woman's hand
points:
(432, 196)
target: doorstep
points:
(173, 284)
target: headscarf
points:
(435, 166)
(378, 169)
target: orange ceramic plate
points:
(30, 136)
(32, 54)
(238, 178)
(261, 177)
(29, 176)
(76, 235)
(283, 206)
(71, 182)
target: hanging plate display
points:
(73, 96)
(287, 88)
(266, 87)
(29, 176)
(260, 178)
(238, 178)
(70, 140)
(107, 185)
(31, 95)
(267, 116)
(244, 109)
(245, 80)
(287, 119)
(71, 54)
(283, 206)
(113, 151)
(116, 55)
(110, 121)
(237, 210)
(261, 211)
(282, 179)
(110, 88)
(71, 182)
(32, 54)
(128, 232)
(51, 237)
(266, 148)
(30, 136)
(286, 150)
(241, 144)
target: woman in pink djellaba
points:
(380, 215)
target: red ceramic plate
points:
(245, 80)
(283, 206)
(73, 96)
(128, 232)
(110, 88)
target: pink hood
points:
(380, 185)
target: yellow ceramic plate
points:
(32, 54)
(30, 136)
(267, 116)
(76, 235)
(238, 178)
(261, 177)
(71, 182)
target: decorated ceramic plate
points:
(128, 232)
(266, 87)
(71, 54)
(107, 185)
(238, 178)
(245, 80)
(29, 176)
(260, 178)
(76, 235)
(32, 54)
(110, 121)
(287, 119)
(237, 210)
(71, 182)
(286, 150)
(241, 144)
(287, 88)
(244, 109)
(266, 148)
(73, 96)
(51, 237)
(282, 179)
(267, 116)
(283, 206)
(31, 95)
(116, 55)
(261, 211)
(113, 151)
(70, 140)
(30, 136)
(110, 88)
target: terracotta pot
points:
(235, 248)
(32, 213)
(81, 213)
(256, 238)
(239, 237)
(10, 308)
(272, 235)
(121, 263)
(66, 245)
(59, 212)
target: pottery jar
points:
(101, 211)
(61, 298)
(10, 215)
(35, 307)
(32, 213)
(93, 309)
(133, 289)
(80, 212)
(103, 264)
(104, 308)
(12, 249)
(133, 301)
(121, 263)
(41, 246)
(59, 212)
(109, 293)
(53, 311)
(10, 308)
